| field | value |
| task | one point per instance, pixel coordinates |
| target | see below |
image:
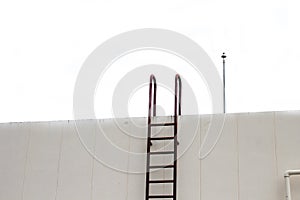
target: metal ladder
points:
(152, 113)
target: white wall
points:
(48, 160)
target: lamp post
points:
(224, 94)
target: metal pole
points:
(224, 94)
(287, 175)
(287, 187)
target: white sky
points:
(43, 45)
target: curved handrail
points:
(152, 83)
(287, 175)
(178, 85)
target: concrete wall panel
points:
(105, 159)
(219, 170)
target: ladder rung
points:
(160, 196)
(161, 181)
(162, 152)
(161, 166)
(162, 138)
(163, 124)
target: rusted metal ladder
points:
(151, 114)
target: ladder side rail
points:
(178, 86)
(177, 110)
(152, 102)
(151, 111)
